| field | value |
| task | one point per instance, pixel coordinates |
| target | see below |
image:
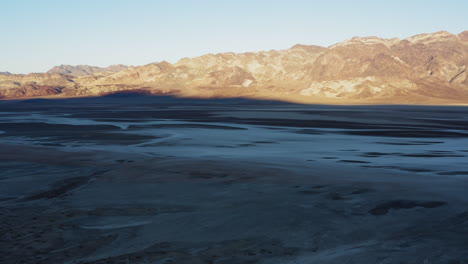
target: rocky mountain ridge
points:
(81, 70)
(422, 69)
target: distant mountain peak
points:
(463, 35)
(308, 47)
(82, 70)
(372, 40)
(164, 65)
(432, 37)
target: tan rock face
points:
(463, 36)
(34, 84)
(424, 68)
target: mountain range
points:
(422, 69)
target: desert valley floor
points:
(164, 180)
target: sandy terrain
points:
(187, 181)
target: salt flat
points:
(231, 181)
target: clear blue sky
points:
(37, 35)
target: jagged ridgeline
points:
(423, 69)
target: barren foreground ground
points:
(229, 181)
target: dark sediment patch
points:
(459, 219)
(159, 144)
(359, 128)
(64, 187)
(329, 158)
(149, 114)
(56, 131)
(57, 138)
(383, 208)
(121, 161)
(309, 132)
(451, 173)
(307, 123)
(397, 168)
(415, 170)
(275, 128)
(335, 196)
(50, 234)
(377, 154)
(403, 143)
(137, 211)
(406, 134)
(310, 192)
(51, 144)
(232, 251)
(317, 189)
(246, 145)
(340, 124)
(202, 126)
(429, 142)
(319, 186)
(380, 167)
(122, 120)
(362, 191)
(60, 189)
(4, 199)
(105, 138)
(208, 175)
(432, 155)
(55, 134)
(354, 161)
(452, 124)
(46, 127)
(36, 235)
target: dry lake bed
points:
(164, 180)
